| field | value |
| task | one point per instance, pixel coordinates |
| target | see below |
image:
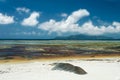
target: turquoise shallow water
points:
(37, 42)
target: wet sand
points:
(54, 58)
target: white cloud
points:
(77, 15)
(23, 9)
(68, 25)
(64, 15)
(71, 25)
(89, 28)
(5, 19)
(31, 20)
(117, 24)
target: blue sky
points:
(44, 19)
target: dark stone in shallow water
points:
(69, 67)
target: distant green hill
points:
(83, 37)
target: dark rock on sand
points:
(118, 60)
(69, 67)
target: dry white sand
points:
(97, 70)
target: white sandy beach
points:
(108, 69)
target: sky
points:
(46, 19)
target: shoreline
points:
(60, 58)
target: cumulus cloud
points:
(117, 24)
(5, 19)
(31, 20)
(64, 15)
(77, 15)
(90, 29)
(71, 25)
(68, 25)
(22, 9)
